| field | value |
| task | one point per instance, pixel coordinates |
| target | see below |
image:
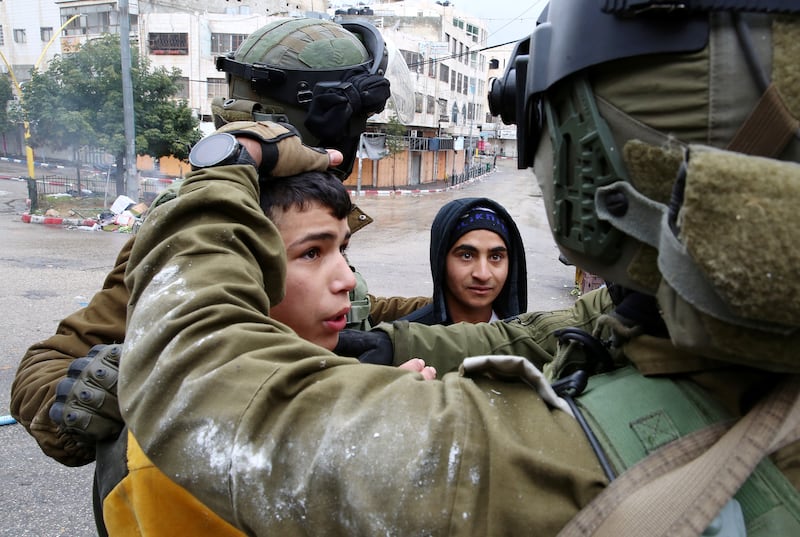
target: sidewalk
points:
(413, 190)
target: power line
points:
(519, 17)
(459, 55)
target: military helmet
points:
(323, 78)
(664, 136)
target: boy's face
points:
(318, 277)
(477, 269)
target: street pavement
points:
(47, 272)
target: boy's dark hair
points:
(283, 193)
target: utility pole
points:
(131, 178)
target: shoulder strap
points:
(679, 489)
(358, 316)
(768, 129)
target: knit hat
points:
(480, 218)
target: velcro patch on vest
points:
(655, 430)
(739, 223)
(785, 71)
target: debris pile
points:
(124, 216)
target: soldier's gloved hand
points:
(86, 405)
(370, 347)
(283, 153)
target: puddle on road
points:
(36, 294)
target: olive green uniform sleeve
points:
(280, 437)
(529, 335)
(45, 363)
(385, 309)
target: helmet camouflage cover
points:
(323, 78)
(303, 44)
(666, 148)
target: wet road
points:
(46, 273)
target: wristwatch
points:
(219, 149)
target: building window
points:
(417, 102)
(444, 73)
(432, 68)
(46, 34)
(453, 81)
(430, 105)
(93, 19)
(460, 83)
(2, 36)
(472, 31)
(224, 43)
(169, 44)
(414, 60)
(217, 87)
(19, 35)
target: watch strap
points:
(243, 156)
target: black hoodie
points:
(511, 301)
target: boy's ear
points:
(357, 219)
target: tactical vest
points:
(631, 416)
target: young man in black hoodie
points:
(477, 264)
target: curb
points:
(387, 193)
(39, 164)
(57, 221)
(410, 191)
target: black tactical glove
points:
(370, 347)
(282, 152)
(86, 405)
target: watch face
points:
(213, 150)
